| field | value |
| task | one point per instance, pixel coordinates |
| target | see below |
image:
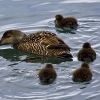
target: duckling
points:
(87, 53)
(68, 23)
(82, 74)
(47, 75)
(42, 43)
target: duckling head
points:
(11, 37)
(59, 17)
(85, 65)
(49, 66)
(86, 45)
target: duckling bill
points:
(82, 74)
(47, 75)
(42, 43)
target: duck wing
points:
(43, 43)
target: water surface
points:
(19, 79)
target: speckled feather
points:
(43, 43)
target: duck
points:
(40, 43)
(82, 74)
(47, 75)
(66, 23)
(86, 53)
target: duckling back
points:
(47, 75)
(86, 54)
(71, 22)
(82, 74)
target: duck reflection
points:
(16, 55)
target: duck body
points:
(82, 74)
(42, 43)
(66, 23)
(87, 53)
(47, 75)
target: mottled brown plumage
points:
(82, 74)
(66, 22)
(87, 53)
(42, 43)
(47, 75)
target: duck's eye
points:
(7, 36)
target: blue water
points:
(19, 79)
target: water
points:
(19, 79)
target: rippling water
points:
(19, 80)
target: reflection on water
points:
(15, 55)
(19, 70)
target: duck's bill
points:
(4, 42)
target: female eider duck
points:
(67, 23)
(47, 75)
(87, 53)
(82, 74)
(42, 43)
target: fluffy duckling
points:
(87, 53)
(47, 75)
(82, 74)
(42, 43)
(68, 23)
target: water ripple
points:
(19, 75)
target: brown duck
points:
(82, 74)
(87, 53)
(66, 22)
(47, 75)
(42, 43)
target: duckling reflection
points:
(42, 43)
(47, 75)
(87, 53)
(66, 23)
(82, 74)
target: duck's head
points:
(86, 45)
(85, 65)
(11, 37)
(59, 17)
(49, 66)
